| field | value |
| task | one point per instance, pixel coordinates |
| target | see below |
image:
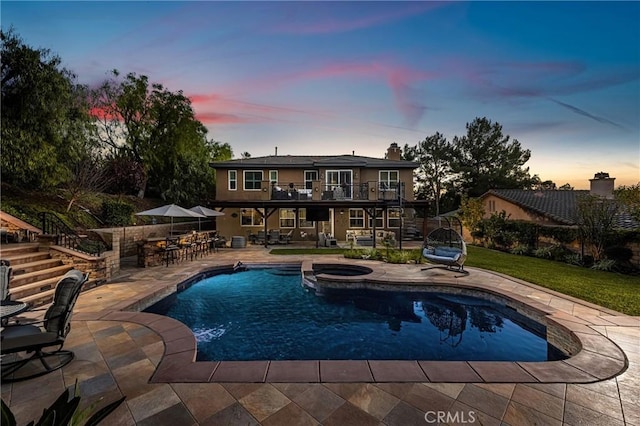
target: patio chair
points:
(274, 236)
(5, 277)
(286, 238)
(34, 339)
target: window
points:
(340, 181)
(393, 218)
(388, 179)
(251, 217)
(356, 218)
(379, 219)
(309, 177)
(492, 206)
(273, 177)
(233, 180)
(287, 218)
(252, 180)
(302, 220)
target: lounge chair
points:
(445, 246)
(273, 237)
(34, 339)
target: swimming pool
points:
(266, 314)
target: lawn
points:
(608, 289)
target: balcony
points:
(369, 191)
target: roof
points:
(557, 205)
(314, 161)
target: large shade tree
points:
(486, 159)
(46, 128)
(150, 126)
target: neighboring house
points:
(551, 207)
(309, 195)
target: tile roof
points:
(296, 161)
(557, 205)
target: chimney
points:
(602, 185)
(276, 151)
(393, 152)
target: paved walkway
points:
(123, 353)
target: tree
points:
(45, 121)
(629, 196)
(471, 214)
(486, 159)
(566, 187)
(595, 219)
(434, 154)
(157, 129)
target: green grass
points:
(608, 289)
(611, 290)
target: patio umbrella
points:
(170, 210)
(205, 212)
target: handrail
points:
(67, 237)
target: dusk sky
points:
(563, 78)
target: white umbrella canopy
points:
(170, 210)
(205, 212)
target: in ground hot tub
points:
(340, 269)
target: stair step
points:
(7, 250)
(22, 258)
(39, 299)
(43, 274)
(20, 292)
(46, 297)
(38, 265)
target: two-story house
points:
(306, 195)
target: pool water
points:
(266, 314)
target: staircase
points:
(410, 230)
(35, 273)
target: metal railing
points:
(65, 236)
(360, 191)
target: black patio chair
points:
(33, 339)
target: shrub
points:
(618, 253)
(573, 259)
(604, 265)
(117, 213)
(520, 249)
(543, 252)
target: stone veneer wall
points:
(129, 236)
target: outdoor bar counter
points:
(155, 251)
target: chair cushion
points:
(38, 339)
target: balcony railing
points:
(361, 191)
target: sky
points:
(330, 78)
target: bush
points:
(604, 265)
(543, 252)
(117, 213)
(618, 253)
(520, 249)
(573, 259)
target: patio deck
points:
(118, 353)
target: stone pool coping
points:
(597, 358)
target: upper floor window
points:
(309, 177)
(252, 180)
(356, 218)
(233, 180)
(273, 177)
(388, 179)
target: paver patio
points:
(140, 355)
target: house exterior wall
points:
(231, 224)
(493, 204)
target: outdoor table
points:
(11, 308)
